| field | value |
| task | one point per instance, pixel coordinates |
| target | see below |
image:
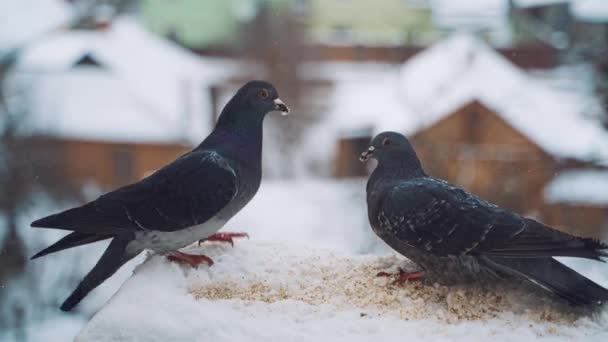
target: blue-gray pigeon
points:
(456, 237)
(186, 201)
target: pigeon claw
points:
(194, 260)
(224, 237)
(402, 277)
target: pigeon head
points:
(392, 149)
(254, 99)
(386, 144)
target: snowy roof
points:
(535, 3)
(591, 10)
(362, 92)
(462, 69)
(24, 20)
(470, 13)
(579, 187)
(145, 88)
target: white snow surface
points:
(591, 10)
(587, 187)
(470, 14)
(275, 292)
(24, 20)
(147, 89)
(534, 3)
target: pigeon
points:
(185, 201)
(456, 237)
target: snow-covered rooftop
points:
(534, 3)
(452, 73)
(591, 10)
(587, 187)
(470, 13)
(144, 89)
(462, 69)
(25, 20)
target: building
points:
(117, 103)
(360, 22)
(197, 24)
(478, 121)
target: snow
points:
(587, 187)
(145, 89)
(39, 290)
(470, 13)
(463, 69)
(545, 107)
(24, 20)
(591, 10)
(359, 99)
(321, 213)
(260, 291)
(535, 3)
(308, 273)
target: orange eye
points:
(386, 142)
(263, 93)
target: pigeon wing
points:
(185, 193)
(442, 219)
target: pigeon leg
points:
(191, 259)
(224, 237)
(402, 277)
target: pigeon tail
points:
(557, 278)
(112, 259)
(73, 239)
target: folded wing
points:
(187, 192)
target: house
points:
(476, 120)
(197, 24)
(118, 103)
(361, 22)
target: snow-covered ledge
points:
(275, 292)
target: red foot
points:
(191, 259)
(402, 277)
(224, 237)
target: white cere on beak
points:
(366, 154)
(281, 106)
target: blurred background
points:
(506, 98)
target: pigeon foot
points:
(191, 259)
(224, 237)
(402, 277)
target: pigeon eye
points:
(386, 142)
(263, 93)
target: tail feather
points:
(86, 219)
(556, 278)
(112, 259)
(73, 239)
(539, 240)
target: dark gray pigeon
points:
(184, 202)
(455, 236)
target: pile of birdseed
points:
(351, 282)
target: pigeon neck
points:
(393, 167)
(240, 136)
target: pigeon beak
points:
(281, 106)
(367, 154)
